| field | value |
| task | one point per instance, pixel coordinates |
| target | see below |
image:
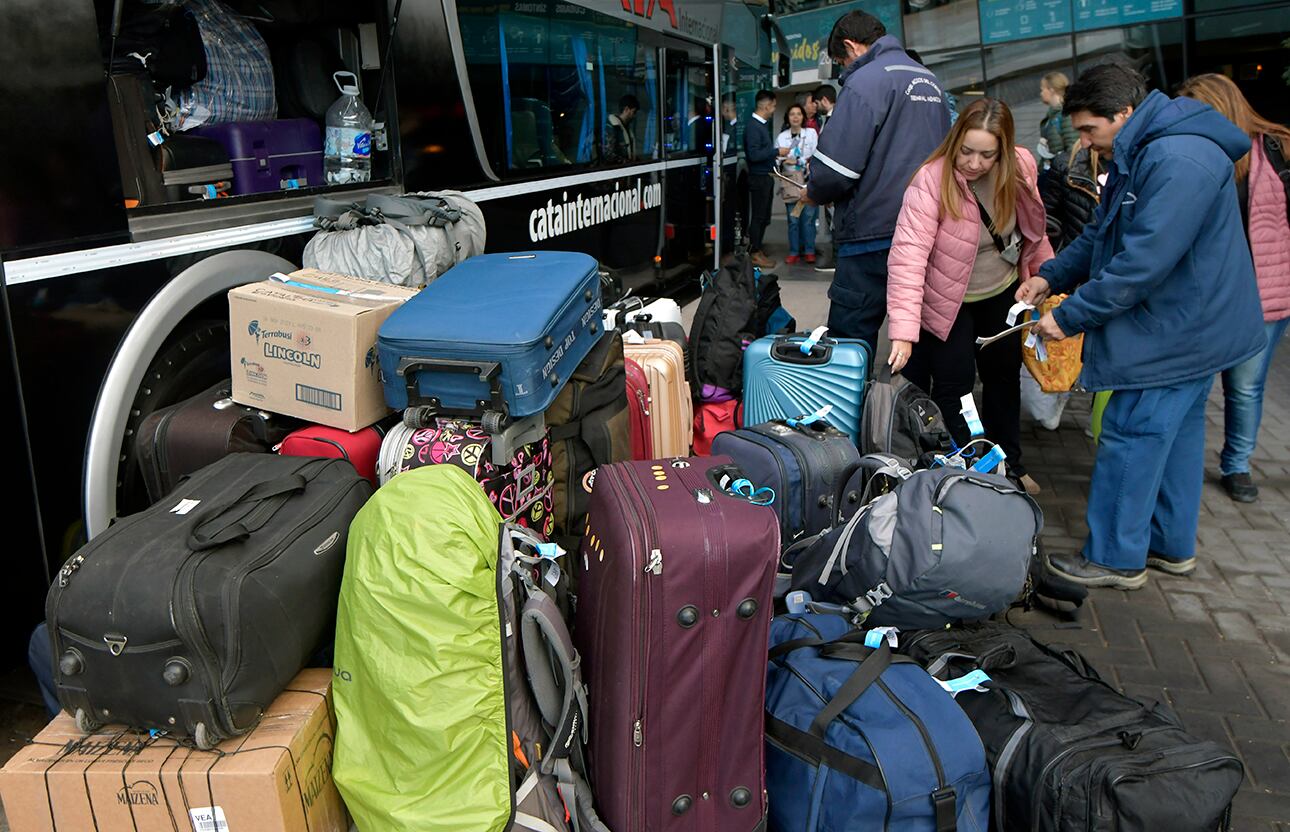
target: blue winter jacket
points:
(889, 117)
(1170, 295)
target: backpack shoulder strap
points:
(554, 674)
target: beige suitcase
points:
(672, 408)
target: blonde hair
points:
(1221, 93)
(1057, 82)
(994, 117)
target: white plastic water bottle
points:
(347, 149)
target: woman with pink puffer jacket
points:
(971, 226)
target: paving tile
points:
(1266, 765)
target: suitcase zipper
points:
(162, 455)
(761, 440)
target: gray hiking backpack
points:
(901, 419)
(945, 545)
(408, 240)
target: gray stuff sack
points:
(408, 240)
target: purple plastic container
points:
(271, 156)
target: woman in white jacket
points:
(796, 147)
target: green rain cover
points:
(421, 737)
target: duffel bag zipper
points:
(1036, 808)
(232, 590)
(935, 757)
(1222, 758)
(106, 644)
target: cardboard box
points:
(311, 352)
(275, 779)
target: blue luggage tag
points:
(875, 637)
(741, 487)
(813, 339)
(802, 421)
(990, 461)
(970, 416)
(974, 681)
(549, 550)
(156, 139)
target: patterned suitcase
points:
(520, 491)
(671, 405)
(783, 382)
(493, 338)
(638, 408)
(673, 620)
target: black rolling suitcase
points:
(191, 616)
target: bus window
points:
(230, 100)
(687, 128)
(557, 85)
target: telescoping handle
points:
(489, 372)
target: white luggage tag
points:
(970, 415)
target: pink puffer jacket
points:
(1269, 235)
(932, 257)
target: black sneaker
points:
(1179, 568)
(1077, 568)
(1240, 487)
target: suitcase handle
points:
(790, 352)
(489, 372)
(239, 529)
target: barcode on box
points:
(208, 819)
(317, 397)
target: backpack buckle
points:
(878, 594)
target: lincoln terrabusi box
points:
(277, 778)
(304, 345)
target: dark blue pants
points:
(858, 298)
(1145, 492)
(42, 665)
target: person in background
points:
(1170, 300)
(729, 122)
(888, 119)
(824, 96)
(806, 100)
(1074, 187)
(620, 140)
(761, 154)
(796, 145)
(1262, 187)
(1057, 136)
(971, 226)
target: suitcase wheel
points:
(492, 422)
(85, 723)
(202, 738)
(418, 417)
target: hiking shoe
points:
(1028, 483)
(1075, 567)
(761, 261)
(1177, 568)
(1240, 487)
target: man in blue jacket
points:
(888, 119)
(761, 154)
(1170, 300)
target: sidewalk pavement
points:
(1215, 646)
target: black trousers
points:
(761, 190)
(858, 298)
(948, 369)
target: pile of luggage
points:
(554, 610)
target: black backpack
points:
(739, 305)
(900, 419)
(163, 41)
(1066, 750)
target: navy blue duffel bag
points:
(859, 739)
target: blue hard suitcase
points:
(784, 381)
(494, 338)
(807, 464)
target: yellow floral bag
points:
(1064, 361)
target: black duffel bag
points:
(192, 616)
(1066, 750)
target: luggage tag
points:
(974, 681)
(744, 489)
(802, 421)
(877, 635)
(990, 461)
(157, 138)
(970, 415)
(813, 339)
(798, 601)
(1033, 341)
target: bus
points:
(114, 289)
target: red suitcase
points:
(359, 449)
(673, 618)
(638, 405)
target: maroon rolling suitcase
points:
(673, 618)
